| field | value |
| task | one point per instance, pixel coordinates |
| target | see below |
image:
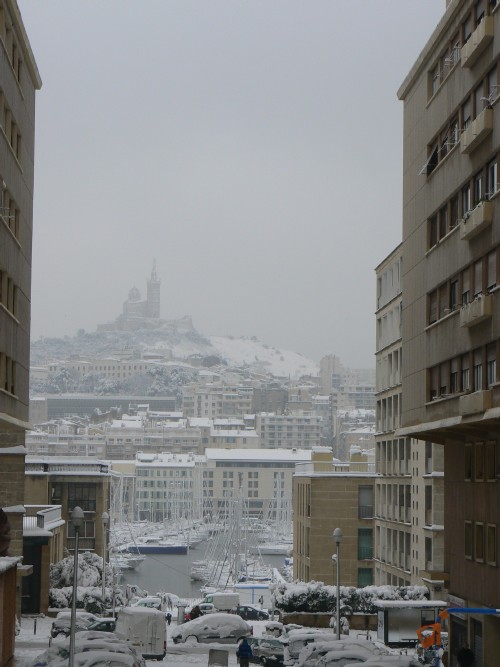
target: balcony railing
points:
(476, 311)
(474, 403)
(477, 42)
(478, 219)
(477, 131)
(365, 511)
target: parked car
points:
(250, 613)
(221, 628)
(267, 651)
(297, 639)
(92, 649)
(62, 624)
(103, 625)
(151, 602)
(342, 658)
(310, 655)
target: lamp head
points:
(77, 517)
(337, 535)
(105, 518)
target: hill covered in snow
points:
(176, 341)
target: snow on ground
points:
(29, 645)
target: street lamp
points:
(105, 521)
(337, 537)
(77, 521)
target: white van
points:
(145, 629)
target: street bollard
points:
(34, 626)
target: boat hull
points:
(158, 549)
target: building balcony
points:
(478, 219)
(477, 42)
(475, 403)
(476, 311)
(477, 131)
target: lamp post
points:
(77, 521)
(105, 521)
(337, 537)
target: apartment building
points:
(71, 482)
(216, 400)
(323, 501)
(451, 313)
(289, 431)
(19, 81)
(168, 486)
(409, 496)
(263, 477)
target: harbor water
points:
(170, 573)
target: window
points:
(454, 384)
(478, 188)
(467, 28)
(479, 462)
(477, 370)
(491, 364)
(491, 544)
(468, 539)
(491, 461)
(466, 114)
(478, 100)
(433, 305)
(479, 541)
(465, 374)
(468, 462)
(479, 11)
(433, 231)
(443, 222)
(83, 495)
(454, 211)
(491, 278)
(365, 577)
(466, 200)
(7, 374)
(365, 502)
(465, 286)
(365, 543)
(453, 302)
(492, 176)
(478, 278)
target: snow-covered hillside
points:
(170, 341)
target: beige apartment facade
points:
(451, 313)
(323, 501)
(409, 494)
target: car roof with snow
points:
(344, 656)
(212, 621)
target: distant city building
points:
(215, 401)
(295, 431)
(323, 501)
(409, 523)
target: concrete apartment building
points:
(289, 431)
(409, 515)
(215, 400)
(20, 80)
(451, 307)
(322, 501)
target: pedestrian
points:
(195, 612)
(244, 653)
(169, 618)
(465, 656)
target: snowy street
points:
(29, 646)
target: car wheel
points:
(192, 639)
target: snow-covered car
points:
(267, 651)
(88, 645)
(297, 639)
(221, 628)
(62, 623)
(103, 625)
(341, 658)
(389, 661)
(250, 613)
(310, 655)
(151, 602)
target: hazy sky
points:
(252, 147)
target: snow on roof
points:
(403, 604)
(258, 454)
(14, 509)
(200, 422)
(19, 449)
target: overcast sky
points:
(252, 147)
